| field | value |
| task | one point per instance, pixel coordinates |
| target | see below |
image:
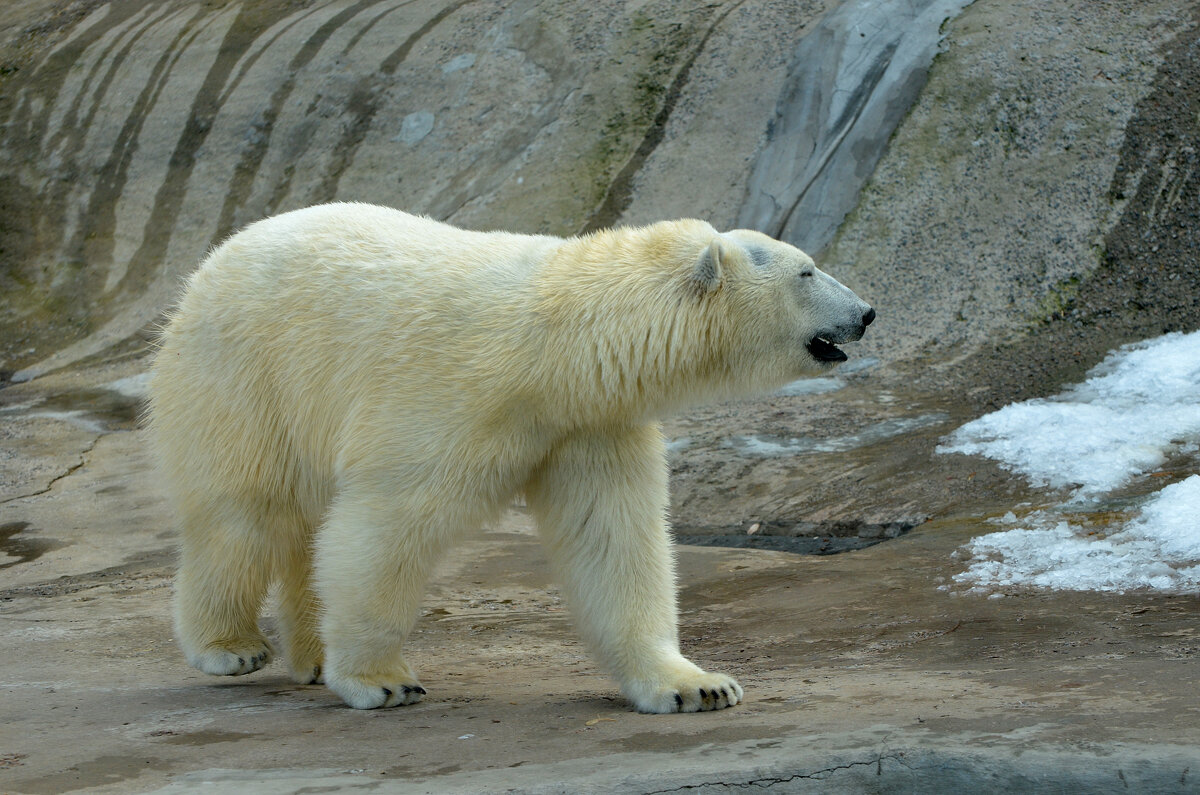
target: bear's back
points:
(321, 318)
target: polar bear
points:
(345, 390)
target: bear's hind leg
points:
(224, 574)
(299, 615)
(373, 557)
(600, 503)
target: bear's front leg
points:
(600, 502)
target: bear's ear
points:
(709, 269)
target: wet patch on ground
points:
(207, 737)
(101, 410)
(23, 549)
(848, 469)
(101, 771)
(806, 538)
(142, 571)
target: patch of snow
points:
(1136, 409)
(134, 386)
(822, 384)
(858, 365)
(1159, 549)
(676, 446)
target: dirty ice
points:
(1137, 410)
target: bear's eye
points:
(807, 273)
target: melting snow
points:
(134, 386)
(1159, 549)
(1136, 409)
(773, 446)
(812, 386)
(1137, 406)
(821, 385)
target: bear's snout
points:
(851, 330)
(868, 317)
(823, 345)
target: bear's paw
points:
(232, 659)
(362, 693)
(698, 692)
(306, 674)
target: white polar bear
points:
(344, 390)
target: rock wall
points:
(850, 82)
(137, 134)
(134, 135)
(992, 201)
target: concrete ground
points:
(862, 672)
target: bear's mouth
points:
(825, 351)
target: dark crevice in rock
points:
(364, 104)
(620, 190)
(805, 538)
(1147, 282)
(851, 82)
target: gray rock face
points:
(136, 135)
(992, 201)
(850, 83)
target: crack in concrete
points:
(767, 782)
(71, 470)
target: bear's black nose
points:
(869, 316)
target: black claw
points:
(241, 662)
(419, 689)
(703, 693)
(678, 700)
(387, 692)
(724, 695)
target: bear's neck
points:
(627, 339)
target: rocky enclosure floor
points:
(868, 668)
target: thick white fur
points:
(343, 391)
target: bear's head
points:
(675, 313)
(788, 317)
